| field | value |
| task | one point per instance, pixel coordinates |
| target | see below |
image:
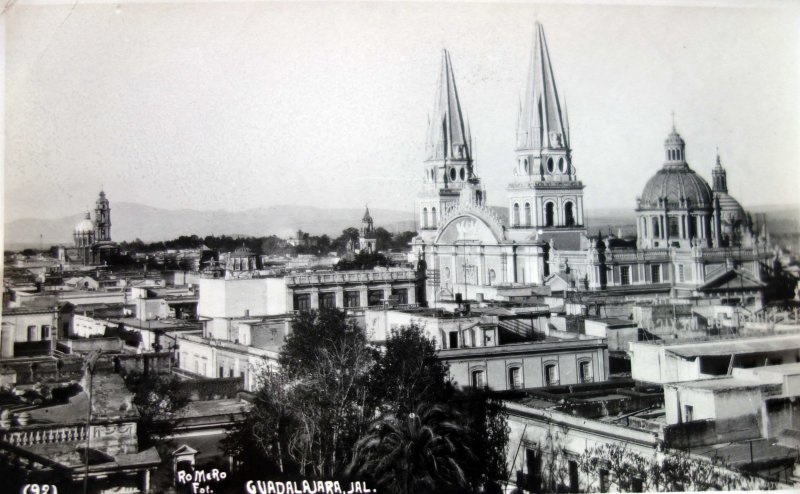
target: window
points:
(569, 216)
(561, 165)
(681, 273)
(688, 413)
(327, 300)
(644, 227)
(527, 169)
(492, 277)
(302, 302)
(230, 372)
(402, 295)
(674, 227)
(656, 229)
(573, 476)
(478, 379)
(452, 339)
(434, 218)
(548, 214)
(514, 378)
(528, 214)
(352, 299)
(424, 217)
(533, 462)
(550, 165)
(551, 374)
(32, 333)
(625, 275)
(604, 483)
(463, 174)
(655, 272)
(515, 218)
(585, 371)
(453, 174)
(221, 371)
(45, 332)
(375, 297)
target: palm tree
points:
(424, 451)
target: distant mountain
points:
(131, 221)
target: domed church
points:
(93, 244)
(693, 240)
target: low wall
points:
(146, 363)
(706, 432)
(86, 345)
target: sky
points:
(244, 105)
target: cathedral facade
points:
(692, 239)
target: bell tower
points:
(450, 177)
(102, 219)
(545, 193)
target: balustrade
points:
(45, 435)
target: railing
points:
(350, 277)
(45, 435)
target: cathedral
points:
(93, 244)
(693, 240)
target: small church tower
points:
(545, 194)
(102, 219)
(367, 240)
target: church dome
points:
(84, 226)
(679, 185)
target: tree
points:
(326, 364)
(421, 451)
(382, 238)
(157, 397)
(409, 372)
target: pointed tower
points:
(719, 177)
(367, 240)
(546, 193)
(102, 219)
(449, 168)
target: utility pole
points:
(91, 362)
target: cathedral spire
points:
(447, 136)
(541, 124)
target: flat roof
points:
(712, 348)
(719, 384)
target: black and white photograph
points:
(296, 247)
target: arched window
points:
(550, 165)
(656, 229)
(669, 154)
(527, 170)
(528, 214)
(424, 217)
(644, 226)
(434, 218)
(551, 375)
(492, 277)
(515, 215)
(478, 379)
(463, 174)
(514, 378)
(549, 214)
(561, 165)
(569, 216)
(678, 153)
